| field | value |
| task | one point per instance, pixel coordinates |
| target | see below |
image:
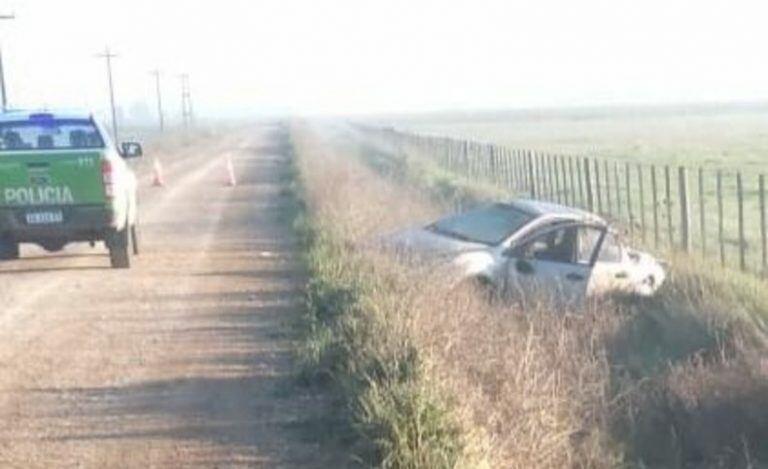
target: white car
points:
(527, 245)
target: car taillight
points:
(106, 177)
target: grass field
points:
(714, 136)
(729, 139)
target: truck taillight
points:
(106, 177)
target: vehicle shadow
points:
(47, 269)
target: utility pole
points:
(156, 73)
(2, 69)
(108, 55)
(186, 101)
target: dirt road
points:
(182, 361)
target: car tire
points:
(9, 250)
(119, 256)
(480, 287)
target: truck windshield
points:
(49, 134)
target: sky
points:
(314, 57)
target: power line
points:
(2, 69)
(108, 55)
(160, 116)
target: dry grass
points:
(678, 381)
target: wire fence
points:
(719, 213)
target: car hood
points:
(421, 241)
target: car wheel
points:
(9, 250)
(117, 243)
(480, 287)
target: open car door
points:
(554, 264)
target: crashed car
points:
(526, 245)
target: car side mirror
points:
(131, 150)
(524, 267)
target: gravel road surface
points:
(183, 360)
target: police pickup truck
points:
(62, 180)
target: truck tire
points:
(53, 246)
(9, 250)
(119, 256)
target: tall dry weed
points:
(610, 384)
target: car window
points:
(558, 245)
(589, 239)
(610, 251)
(490, 224)
(49, 134)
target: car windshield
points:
(49, 134)
(490, 224)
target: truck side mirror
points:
(131, 150)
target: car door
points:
(610, 273)
(554, 264)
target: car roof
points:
(22, 115)
(539, 208)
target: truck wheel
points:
(118, 242)
(135, 239)
(9, 250)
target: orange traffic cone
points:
(231, 181)
(157, 173)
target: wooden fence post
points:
(702, 214)
(685, 216)
(506, 158)
(556, 167)
(597, 188)
(588, 185)
(668, 188)
(546, 170)
(471, 160)
(573, 181)
(465, 157)
(763, 226)
(655, 201)
(618, 188)
(720, 227)
(630, 214)
(506, 176)
(514, 162)
(608, 198)
(742, 240)
(493, 167)
(531, 173)
(641, 187)
(582, 198)
(564, 172)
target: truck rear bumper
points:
(80, 223)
